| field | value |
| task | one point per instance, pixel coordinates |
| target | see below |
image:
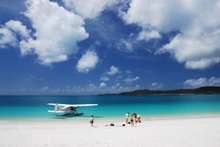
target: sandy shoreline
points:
(184, 132)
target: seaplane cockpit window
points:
(57, 107)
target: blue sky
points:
(83, 47)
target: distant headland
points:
(201, 90)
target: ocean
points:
(35, 107)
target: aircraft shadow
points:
(66, 117)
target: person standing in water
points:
(91, 120)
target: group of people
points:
(133, 119)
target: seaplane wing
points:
(72, 105)
(67, 109)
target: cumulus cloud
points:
(104, 78)
(197, 44)
(87, 62)
(19, 28)
(156, 85)
(88, 8)
(8, 33)
(113, 70)
(199, 52)
(146, 35)
(129, 80)
(195, 83)
(56, 32)
(7, 38)
(102, 85)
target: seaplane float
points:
(67, 109)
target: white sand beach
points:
(179, 132)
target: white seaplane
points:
(67, 109)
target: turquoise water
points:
(35, 107)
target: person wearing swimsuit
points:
(91, 120)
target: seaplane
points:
(67, 109)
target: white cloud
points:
(55, 90)
(9, 31)
(156, 85)
(195, 83)
(44, 89)
(129, 80)
(79, 90)
(124, 45)
(30, 78)
(92, 85)
(57, 32)
(197, 44)
(88, 8)
(87, 62)
(137, 87)
(197, 52)
(128, 71)
(104, 78)
(113, 70)
(102, 85)
(18, 28)
(161, 15)
(7, 38)
(146, 35)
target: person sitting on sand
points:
(91, 120)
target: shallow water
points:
(35, 107)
